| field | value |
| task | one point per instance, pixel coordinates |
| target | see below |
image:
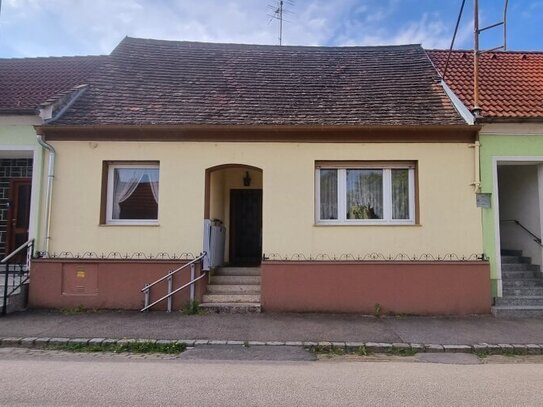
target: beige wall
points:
(449, 219)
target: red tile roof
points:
(511, 83)
(27, 82)
(188, 83)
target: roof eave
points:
(493, 119)
(19, 111)
(263, 133)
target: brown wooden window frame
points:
(107, 167)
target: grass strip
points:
(129, 347)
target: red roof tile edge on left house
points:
(26, 83)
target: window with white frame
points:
(132, 193)
(365, 193)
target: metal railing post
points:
(146, 295)
(171, 291)
(5, 299)
(29, 252)
(170, 288)
(192, 285)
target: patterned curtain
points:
(328, 198)
(365, 194)
(400, 193)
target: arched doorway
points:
(233, 201)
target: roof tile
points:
(511, 83)
(27, 82)
(170, 82)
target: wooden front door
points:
(18, 214)
(245, 227)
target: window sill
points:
(129, 224)
(366, 224)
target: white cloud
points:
(430, 30)
(34, 27)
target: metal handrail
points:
(18, 286)
(171, 273)
(536, 238)
(17, 250)
(147, 289)
(173, 292)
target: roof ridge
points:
(232, 44)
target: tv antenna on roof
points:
(278, 11)
(476, 52)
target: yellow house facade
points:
(334, 204)
(287, 179)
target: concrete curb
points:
(373, 347)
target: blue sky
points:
(84, 27)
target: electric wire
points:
(453, 38)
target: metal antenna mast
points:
(278, 10)
(476, 52)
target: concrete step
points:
(524, 282)
(522, 291)
(237, 271)
(520, 267)
(516, 259)
(232, 308)
(520, 300)
(233, 289)
(517, 311)
(515, 275)
(235, 280)
(509, 252)
(231, 298)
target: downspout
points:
(48, 114)
(49, 196)
(477, 176)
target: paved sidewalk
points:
(274, 327)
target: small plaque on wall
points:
(483, 200)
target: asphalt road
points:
(34, 378)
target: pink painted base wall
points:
(114, 284)
(421, 288)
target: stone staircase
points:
(522, 287)
(233, 290)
